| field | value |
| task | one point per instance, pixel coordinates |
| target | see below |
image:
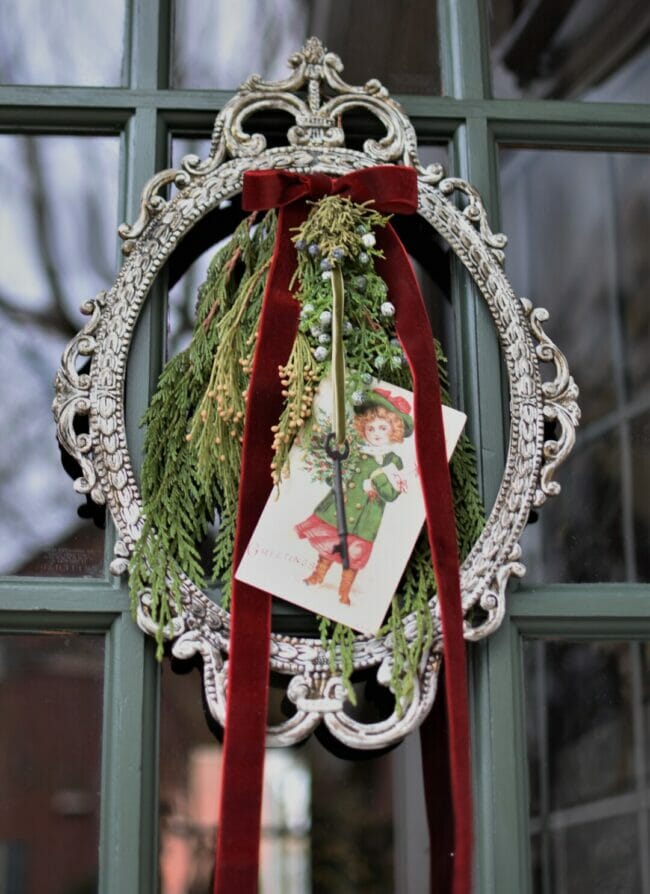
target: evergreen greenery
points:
(194, 425)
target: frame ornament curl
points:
(316, 143)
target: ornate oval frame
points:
(315, 143)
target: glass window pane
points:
(601, 856)
(57, 219)
(645, 696)
(578, 226)
(629, 182)
(311, 842)
(212, 48)
(588, 706)
(574, 49)
(640, 438)
(184, 290)
(50, 757)
(66, 42)
(579, 537)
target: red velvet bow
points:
(392, 189)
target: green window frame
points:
(144, 114)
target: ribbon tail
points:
(242, 765)
(437, 790)
(414, 332)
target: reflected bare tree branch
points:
(67, 42)
(58, 237)
(51, 319)
(44, 224)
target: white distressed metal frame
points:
(316, 96)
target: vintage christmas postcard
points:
(337, 544)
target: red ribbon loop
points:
(391, 188)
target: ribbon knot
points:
(392, 188)
(321, 185)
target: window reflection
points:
(640, 440)
(599, 856)
(628, 182)
(189, 823)
(66, 42)
(326, 822)
(582, 49)
(588, 713)
(580, 536)
(218, 46)
(184, 290)
(58, 220)
(50, 748)
(578, 225)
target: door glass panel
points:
(578, 225)
(598, 856)
(588, 706)
(327, 822)
(62, 43)
(628, 181)
(579, 537)
(50, 762)
(58, 219)
(640, 440)
(577, 49)
(184, 289)
(212, 48)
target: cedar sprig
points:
(335, 228)
(179, 501)
(299, 378)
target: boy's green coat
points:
(362, 512)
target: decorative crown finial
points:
(318, 119)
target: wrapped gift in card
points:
(296, 550)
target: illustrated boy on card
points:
(374, 478)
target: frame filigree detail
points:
(316, 96)
(560, 404)
(72, 398)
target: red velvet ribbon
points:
(392, 189)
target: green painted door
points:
(544, 108)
